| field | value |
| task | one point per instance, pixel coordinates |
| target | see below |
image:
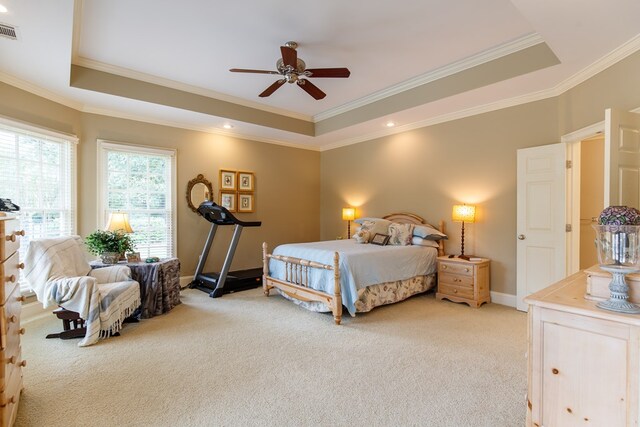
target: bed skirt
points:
(376, 295)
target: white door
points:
(541, 205)
(622, 158)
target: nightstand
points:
(464, 281)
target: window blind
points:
(37, 172)
(140, 181)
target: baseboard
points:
(503, 299)
(185, 281)
(34, 311)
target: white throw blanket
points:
(59, 274)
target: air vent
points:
(8, 31)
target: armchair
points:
(59, 274)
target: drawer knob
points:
(455, 291)
(21, 266)
(23, 363)
(11, 400)
(13, 319)
(12, 360)
(444, 267)
(22, 331)
(11, 238)
(21, 298)
(11, 278)
(466, 269)
(19, 233)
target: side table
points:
(159, 284)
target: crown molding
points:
(439, 73)
(40, 91)
(148, 78)
(232, 134)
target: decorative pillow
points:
(428, 232)
(419, 241)
(380, 226)
(400, 234)
(362, 236)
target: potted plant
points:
(109, 245)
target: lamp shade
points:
(119, 221)
(463, 213)
(348, 214)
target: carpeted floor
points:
(247, 360)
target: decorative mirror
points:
(198, 190)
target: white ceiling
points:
(191, 44)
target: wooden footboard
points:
(296, 281)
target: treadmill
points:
(224, 282)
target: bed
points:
(324, 276)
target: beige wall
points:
(287, 179)
(471, 160)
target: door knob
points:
(521, 237)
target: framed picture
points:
(245, 202)
(227, 180)
(245, 181)
(133, 257)
(380, 239)
(228, 200)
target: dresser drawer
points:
(456, 280)
(455, 268)
(9, 274)
(455, 291)
(10, 395)
(10, 323)
(9, 237)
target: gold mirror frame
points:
(200, 179)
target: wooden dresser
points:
(583, 362)
(11, 362)
(464, 281)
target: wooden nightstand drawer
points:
(455, 268)
(455, 291)
(465, 281)
(456, 280)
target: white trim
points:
(221, 132)
(439, 73)
(503, 299)
(44, 133)
(40, 91)
(148, 78)
(583, 133)
(103, 146)
(34, 311)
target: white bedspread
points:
(361, 265)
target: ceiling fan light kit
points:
(292, 69)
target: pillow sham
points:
(400, 234)
(419, 241)
(429, 233)
(362, 236)
(379, 226)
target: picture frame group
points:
(237, 190)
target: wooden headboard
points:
(409, 218)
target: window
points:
(141, 182)
(37, 172)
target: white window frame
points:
(103, 147)
(43, 133)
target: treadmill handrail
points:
(220, 215)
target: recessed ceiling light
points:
(3, 9)
(390, 124)
(227, 126)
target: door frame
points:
(573, 141)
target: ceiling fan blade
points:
(328, 72)
(289, 56)
(268, 91)
(243, 70)
(311, 89)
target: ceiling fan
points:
(292, 69)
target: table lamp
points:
(463, 213)
(348, 214)
(119, 221)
